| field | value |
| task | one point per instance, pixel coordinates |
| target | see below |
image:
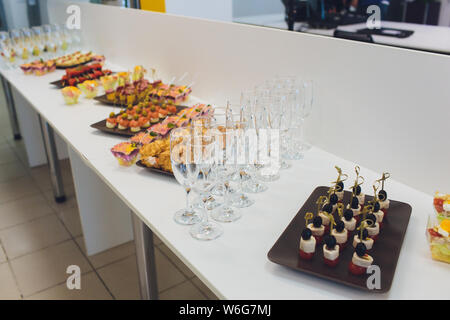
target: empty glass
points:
(185, 171)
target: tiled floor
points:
(39, 239)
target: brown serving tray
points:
(104, 100)
(58, 83)
(73, 66)
(385, 251)
(159, 171)
(101, 125)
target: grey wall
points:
(242, 8)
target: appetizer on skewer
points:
(317, 228)
(360, 260)
(339, 231)
(363, 235)
(356, 189)
(355, 207)
(330, 251)
(374, 228)
(382, 194)
(307, 241)
(339, 183)
(325, 212)
(348, 220)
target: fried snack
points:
(157, 155)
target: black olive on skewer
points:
(334, 198)
(306, 234)
(330, 242)
(355, 203)
(376, 207)
(317, 222)
(340, 226)
(327, 208)
(339, 186)
(357, 191)
(365, 234)
(360, 249)
(382, 195)
(348, 214)
(372, 217)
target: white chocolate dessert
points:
(363, 262)
(332, 254)
(374, 230)
(380, 215)
(384, 204)
(325, 218)
(341, 237)
(318, 232)
(308, 246)
(368, 242)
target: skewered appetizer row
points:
(75, 76)
(363, 219)
(77, 58)
(39, 67)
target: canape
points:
(317, 229)
(111, 122)
(330, 251)
(126, 153)
(307, 244)
(348, 220)
(123, 122)
(70, 94)
(327, 209)
(368, 242)
(355, 207)
(373, 229)
(134, 124)
(341, 234)
(360, 260)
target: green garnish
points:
(153, 134)
(170, 125)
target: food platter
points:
(73, 66)
(101, 125)
(155, 170)
(385, 251)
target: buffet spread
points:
(338, 234)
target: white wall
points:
(244, 8)
(444, 15)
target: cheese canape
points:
(349, 221)
(330, 251)
(374, 229)
(339, 190)
(379, 214)
(134, 124)
(307, 245)
(359, 195)
(324, 214)
(360, 260)
(368, 242)
(317, 229)
(355, 207)
(341, 234)
(384, 201)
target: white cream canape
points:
(368, 242)
(341, 237)
(384, 204)
(318, 232)
(349, 225)
(308, 246)
(330, 254)
(363, 262)
(374, 230)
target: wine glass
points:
(225, 168)
(185, 172)
(203, 147)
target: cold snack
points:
(126, 153)
(70, 94)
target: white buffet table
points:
(235, 266)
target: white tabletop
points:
(425, 37)
(235, 266)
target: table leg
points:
(11, 109)
(145, 255)
(52, 159)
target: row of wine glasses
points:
(24, 45)
(227, 156)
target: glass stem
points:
(188, 204)
(226, 195)
(302, 130)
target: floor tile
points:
(12, 171)
(168, 275)
(70, 202)
(17, 189)
(2, 254)
(41, 176)
(178, 263)
(8, 287)
(7, 154)
(34, 235)
(46, 268)
(71, 219)
(91, 289)
(122, 279)
(109, 256)
(184, 291)
(203, 288)
(19, 211)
